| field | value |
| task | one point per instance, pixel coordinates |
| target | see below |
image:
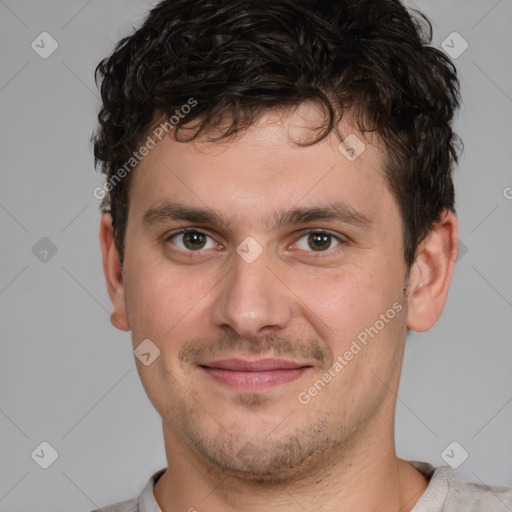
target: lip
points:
(255, 375)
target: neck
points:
(365, 476)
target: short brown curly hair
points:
(243, 57)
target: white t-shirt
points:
(445, 493)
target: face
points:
(279, 313)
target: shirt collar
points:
(432, 499)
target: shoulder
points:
(123, 506)
(448, 492)
(476, 497)
(145, 502)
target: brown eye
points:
(194, 240)
(191, 240)
(318, 241)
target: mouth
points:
(255, 375)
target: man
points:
(278, 213)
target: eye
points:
(318, 241)
(191, 240)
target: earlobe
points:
(431, 274)
(118, 322)
(113, 271)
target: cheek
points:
(160, 299)
(352, 300)
(163, 306)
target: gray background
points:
(68, 377)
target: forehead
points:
(264, 170)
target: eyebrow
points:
(338, 211)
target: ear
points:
(431, 273)
(113, 271)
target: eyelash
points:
(182, 231)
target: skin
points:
(262, 450)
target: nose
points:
(251, 299)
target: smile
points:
(254, 375)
